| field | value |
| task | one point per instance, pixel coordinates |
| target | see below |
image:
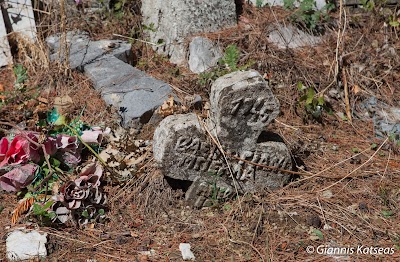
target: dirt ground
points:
(347, 195)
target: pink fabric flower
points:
(18, 178)
(69, 150)
(94, 136)
(73, 193)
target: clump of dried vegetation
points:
(347, 196)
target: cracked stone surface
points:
(288, 36)
(171, 23)
(185, 151)
(135, 94)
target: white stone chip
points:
(21, 245)
(186, 252)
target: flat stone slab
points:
(290, 37)
(83, 51)
(171, 23)
(242, 106)
(135, 94)
(132, 91)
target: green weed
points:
(306, 13)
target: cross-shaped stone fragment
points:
(223, 154)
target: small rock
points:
(203, 54)
(30, 245)
(327, 194)
(314, 221)
(363, 207)
(186, 252)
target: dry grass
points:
(346, 195)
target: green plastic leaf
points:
(38, 210)
(52, 215)
(52, 116)
(101, 211)
(85, 213)
(55, 162)
(48, 204)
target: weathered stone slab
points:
(173, 21)
(21, 17)
(186, 153)
(83, 51)
(5, 54)
(242, 105)
(132, 91)
(290, 37)
(203, 54)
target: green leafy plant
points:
(259, 3)
(314, 105)
(21, 76)
(394, 22)
(306, 13)
(215, 199)
(227, 64)
(368, 5)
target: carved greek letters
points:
(240, 111)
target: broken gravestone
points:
(242, 105)
(169, 24)
(135, 94)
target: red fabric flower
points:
(3, 148)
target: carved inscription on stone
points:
(242, 105)
(258, 108)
